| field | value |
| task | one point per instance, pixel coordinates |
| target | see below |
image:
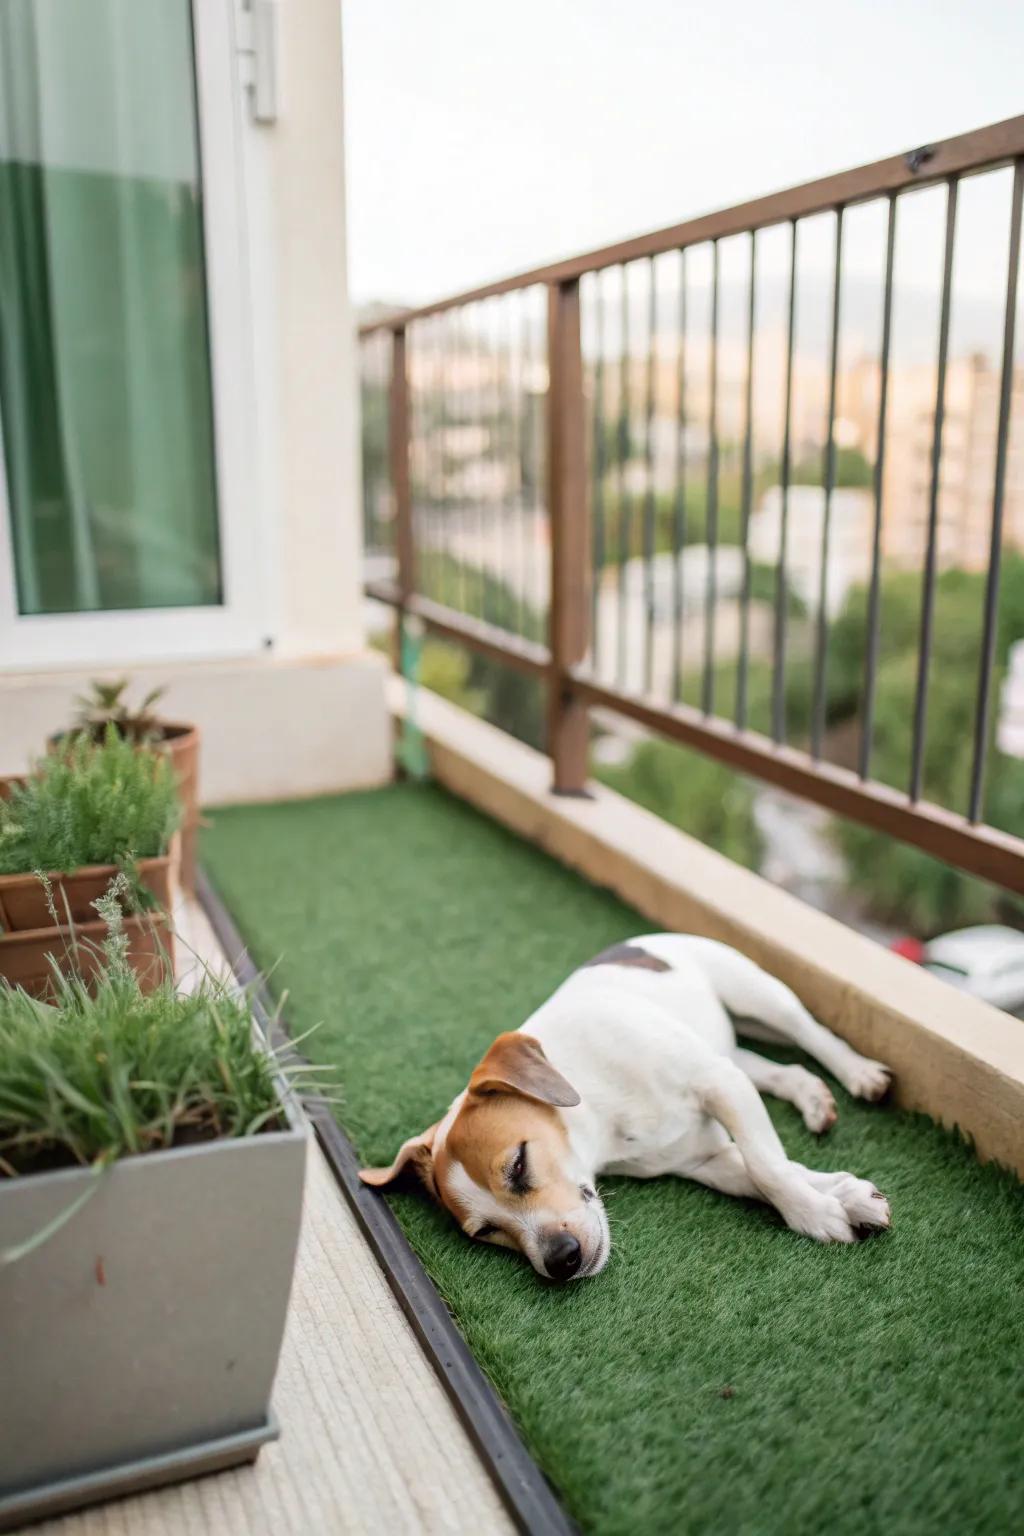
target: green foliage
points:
(445, 670)
(107, 1072)
(722, 1375)
(485, 687)
(693, 792)
(105, 705)
(624, 516)
(624, 519)
(374, 410)
(90, 803)
(901, 883)
(852, 469)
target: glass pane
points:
(105, 402)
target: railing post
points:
(569, 619)
(401, 485)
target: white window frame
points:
(239, 625)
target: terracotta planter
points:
(181, 743)
(23, 897)
(25, 956)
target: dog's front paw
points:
(867, 1079)
(822, 1217)
(865, 1206)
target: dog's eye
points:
(486, 1231)
(517, 1175)
(587, 1192)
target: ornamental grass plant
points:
(101, 802)
(107, 1071)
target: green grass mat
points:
(723, 1374)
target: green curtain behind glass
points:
(105, 401)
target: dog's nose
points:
(562, 1258)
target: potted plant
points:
(151, 1173)
(65, 832)
(106, 705)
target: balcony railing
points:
(650, 476)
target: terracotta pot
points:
(23, 898)
(25, 956)
(181, 743)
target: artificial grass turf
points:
(722, 1374)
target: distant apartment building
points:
(849, 542)
(968, 457)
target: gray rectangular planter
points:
(139, 1343)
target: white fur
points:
(666, 1089)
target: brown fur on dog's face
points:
(501, 1162)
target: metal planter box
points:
(138, 1344)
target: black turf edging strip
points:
(526, 1493)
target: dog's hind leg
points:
(750, 993)
(729, 1097)
(794, 1084)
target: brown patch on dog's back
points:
(628, 954)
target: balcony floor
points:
(721, 1366)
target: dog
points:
(632, 1067)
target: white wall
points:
(318, 394)
(270, 731)
(312, 684)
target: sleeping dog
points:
(632, 1067)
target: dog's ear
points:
(414, 1156)
(516, 1063)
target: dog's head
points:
(501, 1162)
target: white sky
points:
(484, 138)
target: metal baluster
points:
(463, 340)
(599, 471)
(483, 367)
(779, 669)
(507, 608)
(649, 508)
(679, 509)
(829, 476)
(531, 476)
(874, 597)
(624, 502)
(931, 550)
(711, 574)
(988, 643)
(747, 492)
(515, 448)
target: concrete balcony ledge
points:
(954, 1058)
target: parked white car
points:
(987, 961)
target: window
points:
(129, 523)
(104, 357)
